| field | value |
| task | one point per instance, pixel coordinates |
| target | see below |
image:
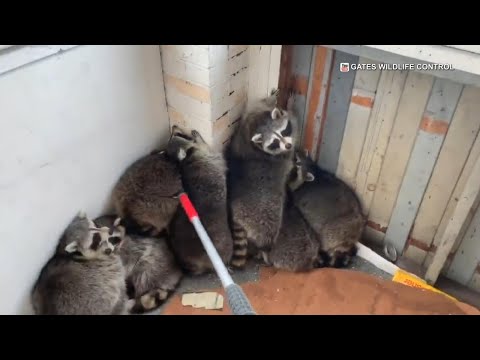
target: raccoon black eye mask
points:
(281, 138)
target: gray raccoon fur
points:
(260, 158)
(152, 273)
(203, 174)
(330, 207)
(85, 276)
(143, 194)
(297, 247)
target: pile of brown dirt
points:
(331, 292)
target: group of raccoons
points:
(262, 198)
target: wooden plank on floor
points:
(361, 103)
(460, 185)
(465, 227)
(467, 256)
(410, 111)
(341, 84)
(465, 203)
(390, 88)
(429, 259)
(433, 128)
(317, 98)
(451, 160)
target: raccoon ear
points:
(274, 92)
(81, 214)
(197, 137)
(309, 177)
(181, 154)
(276, 113)
(257, 138)
(117, 221)
(72, 247)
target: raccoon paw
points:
(258, 256)
(322, 260)
(130, 304)
(340, 259)
(266, 260)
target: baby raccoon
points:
(85, 276)
(143, 196)
(152, 273)
(297, 247)
(260, 158)
(204, 180)
(330, 207)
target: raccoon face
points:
(183, 143)
(117, 234)
(274, 135)
(300, 173)
(91, 243)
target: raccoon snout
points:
(108, 251)
(288, 146)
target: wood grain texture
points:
(410, 111)
(364, 87)
(317, 98)
(451, 160)
(380, 125)
(441, 106)
(340, 94)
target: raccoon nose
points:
(288, 146)
(108, 251)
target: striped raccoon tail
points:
(240, 247)
(148, 301)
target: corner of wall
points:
(207, 87)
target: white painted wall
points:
(69, 125)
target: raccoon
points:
(203, 174)
(152, 273)
(297, 247)
(144, 194)
(330, 207)
(260, 158)
(85, 276)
